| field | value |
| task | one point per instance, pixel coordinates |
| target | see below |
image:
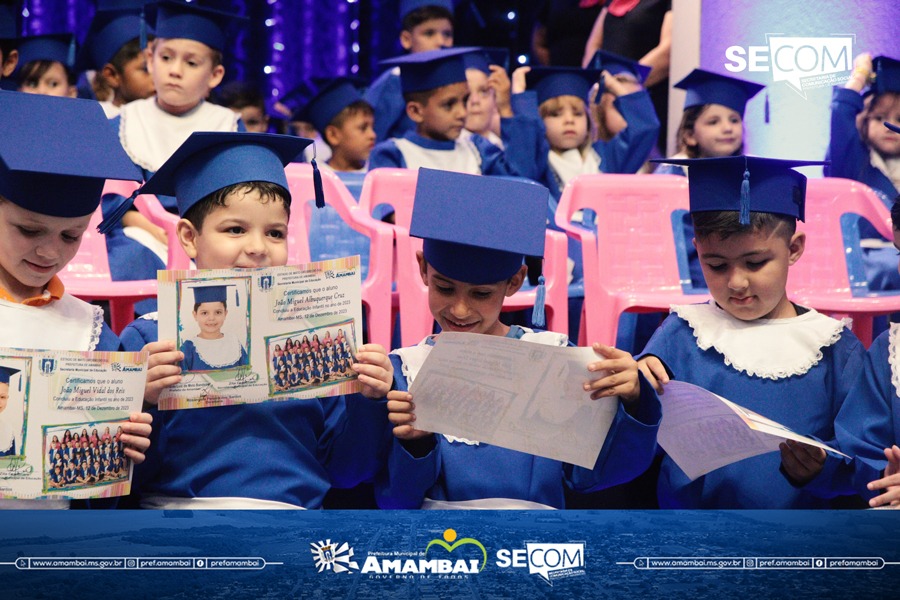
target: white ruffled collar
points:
(572, 163)
(767, 348)
(220, 353)
(894, 356)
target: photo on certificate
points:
(14, 390)
(214, 324)
(311, 358)
(75, 459)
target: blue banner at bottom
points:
(448, 554)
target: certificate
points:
(518, 395)
(702, 432)
(60, 420)
(252, 335)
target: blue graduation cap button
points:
(478, 229)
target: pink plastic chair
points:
(821, 278)
(376, 288)
(87, 276)
(397, 188)
(631, 264)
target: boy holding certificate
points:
(233, 198)
(753, 345)
(469, 269)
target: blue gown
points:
(193, 361)
(386, 97)
(456, 471)
(807, 403)
(850, 159)
(290, 451)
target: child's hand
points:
(619, 85)
(163, 369)
(136, 436)
(654, 371)
(518, 80)
(890, 481)
(500, 83)
(376, 374)
(401, 413)
(862, 71)
(622, 377)
(801, 462)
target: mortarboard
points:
(887, 75)
(422, 71)
(746, 184)
(208, 161)
(478, 229)
(326, 101)
(407, 6)
(616, 64)
(706, 87)
(58, 47)
(551, 82)
(180, 20)
(214, 293)
(6, 373)
(110, 29)
(482, 58)
(57, 153)
(9, 22)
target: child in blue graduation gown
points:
(860, 148)
(284, 454)
(751, 344)
(59, 148)
(469, 270)
(212, 349)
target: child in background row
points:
(46, 65)
(185, 62)
(469, 270)
(861, 148)
(39, 234)
(436, 90)
(712, 126)
(112, 48)
(284, 454)
(487, 78)
(751, 344)
(245, 100)
(425, 25)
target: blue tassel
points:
(317, 184)
(767, 107)
(20, 381)
(70, 57)
(116, 215)
(540, 294)
(745, 198)
(143, 34)
(237, 297)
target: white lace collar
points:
(767, 348)
(150, 135)
(894, 356)
(572, 163)
(220, 353)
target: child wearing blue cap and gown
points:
(469, 270)
(8, 435)
(435, 87)
(488, 84)
(39, 234)
(751, 344)
(860, 148)
(46, 65)
(185, 62)
(284, 454)
(425, 25)
(212, 349)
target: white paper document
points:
(518, 395)
(702, 432)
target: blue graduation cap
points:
(6, 373)
(214, 293)
(109, 31)
(482, 58)
(422, 71)
(57, 153)
(887, 75)
(407, 6)
(746, 184)
(616, 64)
(478, 229)
(551, 82)
(180, 20)
(58, 47)
(326, 101)
(208, 161)
(706, 87)
(9, 22)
